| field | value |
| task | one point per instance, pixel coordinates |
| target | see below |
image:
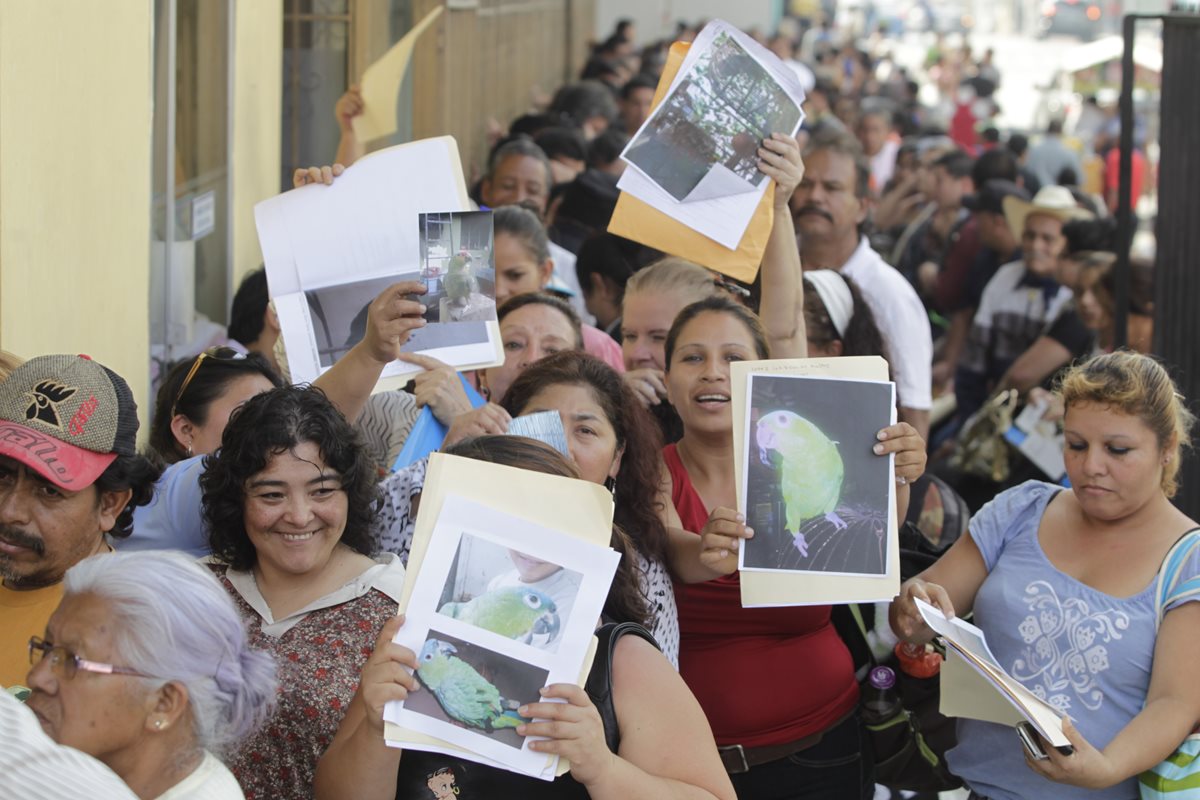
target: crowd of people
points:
(212, 615)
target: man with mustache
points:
(69, 475)
(829, 207)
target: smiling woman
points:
(290, 498)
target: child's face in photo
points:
(531, 569)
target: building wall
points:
(655, 19)
(75, 127)
(257, 97)
(493, 60)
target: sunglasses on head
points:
(220, 354)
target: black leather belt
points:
(738, 759)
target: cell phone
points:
(1033, 743)
(1030, 740)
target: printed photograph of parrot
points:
(462, 692)
(810, 471)
(516, 612)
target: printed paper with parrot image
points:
(816, 495)
(500, 606)
(508, 592)
(471, 687)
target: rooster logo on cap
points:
(46, 397)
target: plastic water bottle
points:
(880, 701)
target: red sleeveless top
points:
(764, 676)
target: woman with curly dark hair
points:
(613, 440)
(290, 499)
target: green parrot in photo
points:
(459, 281)
(462, 692)
(518, 612)
(811, 471)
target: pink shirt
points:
(599, 344)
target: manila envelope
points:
(643, 223)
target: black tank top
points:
(434, 776)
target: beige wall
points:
(75, 120)
(257, 100)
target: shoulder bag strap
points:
(1168, 588)
(599, 681)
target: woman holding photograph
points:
(613, 441)
(791, 731)
(1062, 582)
(655, 295)
(620, 743)
(290, 499)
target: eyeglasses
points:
(65, 663)
(218, 353)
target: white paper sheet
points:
(352, 239)
(720, 206)
(971, 644)
(474, 554)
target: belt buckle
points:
(741, 755)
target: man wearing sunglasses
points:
(69, 475)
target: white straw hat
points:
(1055, 201)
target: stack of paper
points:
(821, 503)
(695, 158)
(330, 250)
(974, 693)
(499, 534)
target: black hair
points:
(720, 304)
(957, 164)
(209, 382)
(519, 146)
(844, 143)
(562, 142)
(521, 223)
(246, 314)
(1067, 176)
(271, 424)
(543, 299)
(639, 81)
(613, 258)
(862, 333)
(1088, 235)
(530, 125)
(1018, 143)
(599, 67)
(625, 602)
(991, 135)
(995, 164)
(134, 472)
(585, 100)
(607, 147)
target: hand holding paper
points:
(779, 159)
(388, 674)
(962, 697)
(722, 538)
(391, 319)
(906, 617)
(573, 730)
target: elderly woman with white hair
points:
(145, 666)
